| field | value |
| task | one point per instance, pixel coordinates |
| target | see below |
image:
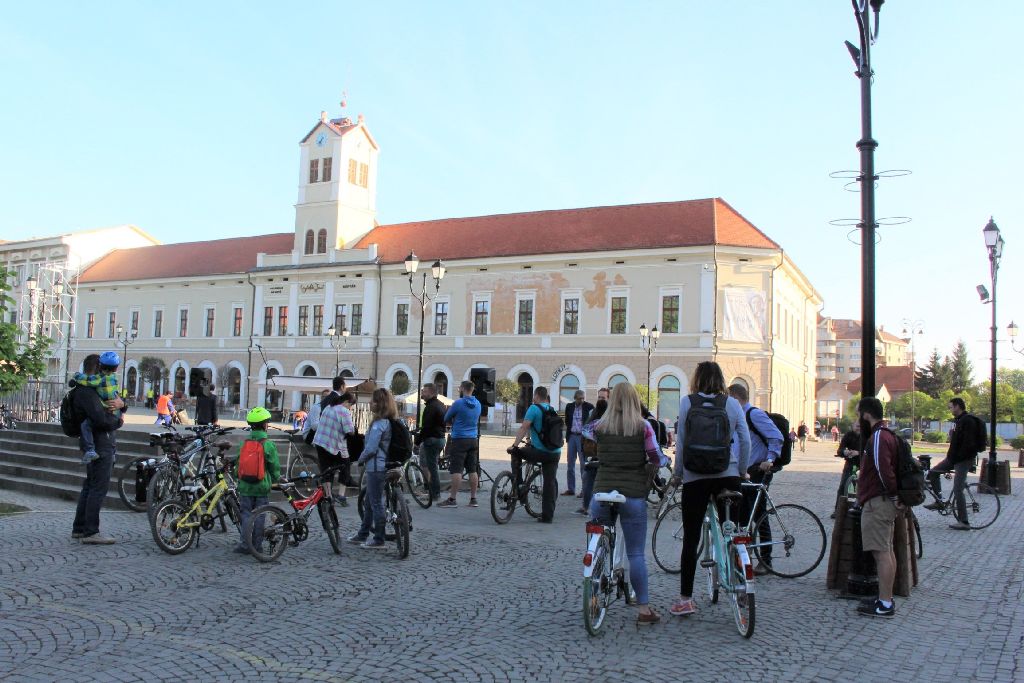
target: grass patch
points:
(11, 508)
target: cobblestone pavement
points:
(478, 602)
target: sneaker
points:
(877, 609)
(648, 619)
(76, 535)
(98, 539)
(473, 503)
(933, 506)
(356, 539)
(372, 543)
(342, 501)
(761, 569)
(960, 526)
(241, 550)
(449, 503)
(568, 493)
(89, 456)
(682, 608)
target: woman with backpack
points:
(630, 458)
(706, 462)
(374, 459)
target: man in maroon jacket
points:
(876, 493)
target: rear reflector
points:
(588, 559)
(749, 571)
(595, 528)
(744, 540)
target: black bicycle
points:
(397, 518)
(526, 487)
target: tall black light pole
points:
(649, 342)
(862, 9)
(338, 339)
(994, 243)
(437, 271)
(125, 339)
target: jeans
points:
(764, 530)
(94, 491)
(373, 506)
(574, 451)
(549, 467)
(959, 470)
(695, 502)
(633, 519)
(430, 450)
(246, 505)
(88, 443)
(164, 420)
(589, 476)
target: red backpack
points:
(251, 463)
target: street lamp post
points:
(649, 342)
(339, 338)
(437, 271)
(867, 145)
(125, 338)
(1013, 330)
(914, 328)
(994, 243)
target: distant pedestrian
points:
(430, 437)
(801, 433)
(464, 447)
(967, 435)
(577, 414)
(850, 448)
(206, 406)
(835, 433)
(150, 398)
(164, 409)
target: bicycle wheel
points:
(232, 511)
(359, 502)
(164, 485)
(416, 483)
(274, 532)
(303, 463)
(797, 540)
(329, 518)
(917, 534)
(982, 505)
(596, 588)
(673, 495)
(659, 487)
(710, 564)
(401, 524)
(164, 525)
(667, 540)
(535, 494)
(742, 603)
(503, 498)
(126, 486)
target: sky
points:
(184, 119)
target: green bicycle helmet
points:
(257, 415)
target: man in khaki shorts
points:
(876, 493)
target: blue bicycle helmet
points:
(110, 359)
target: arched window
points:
(273, 396)
(567, 386)
(309, 242)
(668, 399)
(133, 379)
(441, 380)
(617, 379)
(234, 386)
(321, 242)
(179, 380)
(525, 381)
(742, 382)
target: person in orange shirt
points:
(164, 409)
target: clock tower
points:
(337, 201)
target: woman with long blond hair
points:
(628, 453)
(373, 458)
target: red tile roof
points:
(185, 259)
(898, 379)
(697, 222)
(847, 329)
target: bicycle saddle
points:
(393, 474)
(223, 445)
(613, 497)
(729, 495)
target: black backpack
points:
(980, 437)
(708, 437)
(660, 430)
(786, 456)
(909, 475)
(70, 422)
(552, 429)
(400, 448)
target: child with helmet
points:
(257, 469)
(105, 384)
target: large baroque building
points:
(552, 298)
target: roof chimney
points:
(361, 118)
(323, 117)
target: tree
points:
(1012, 376)
(912, 405)
(507, 391)
(19, 360)
(1006, 402)
(151, 369)
(935, 377)
(641, 390)
(960, 368)
(399, 384)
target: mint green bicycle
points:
(727, 562)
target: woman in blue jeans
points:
(373, 458)
(629, 458)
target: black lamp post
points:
(437, 271)
(913, 328)
(339, 338)
(994, 243)
(649, 342)
(125, 338)
(867, 35)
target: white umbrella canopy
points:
(410, 399)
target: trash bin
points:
(863, 577)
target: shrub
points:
(935, 437)
(1017, 442)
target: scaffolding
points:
(48, 309)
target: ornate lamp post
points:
(994, 243)
(1013, 330)
(649, 342)
(913, 328)
(125, 339)
(339, 339)
(437, 271)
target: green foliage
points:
(19, 360)
(934, 437)
(960, 368)
(641, 391)
(935, 377)
(507, 391)
(151, 369)
(399, 384)
(1017, 442)
(1012, 376)
(916, 402)
(1006, 402)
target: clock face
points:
(321, 139)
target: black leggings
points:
(695, 502)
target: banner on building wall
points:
(743, 315)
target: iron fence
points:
(37, 401)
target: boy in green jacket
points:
(252, 490)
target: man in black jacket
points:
(430, 436)
(576, 415)
(87, 404)
(959, 459)
(206, 406)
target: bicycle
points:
(397, 518)
(981, 499)
(7, 419)
(417, 481)
(180, 463)
(297, 464)
(177, 522)
(506, 493)
(850, 492)
(278, 529)
(605, 574)
(727, 562)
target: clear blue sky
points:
(184, 118)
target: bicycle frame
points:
(595, 531)
(723, 540)
(212, 497)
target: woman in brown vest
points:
(627, 449)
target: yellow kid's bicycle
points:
(178, 522)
